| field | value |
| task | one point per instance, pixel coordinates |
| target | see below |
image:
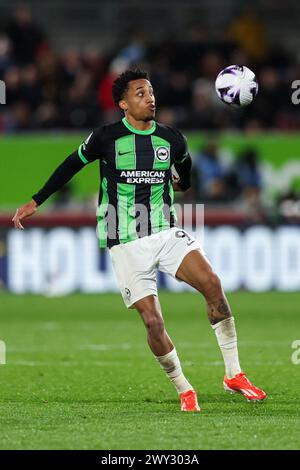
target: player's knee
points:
(215, 282)
(212, 286)
(154, 323)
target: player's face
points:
(139, 100)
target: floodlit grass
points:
(79, 375)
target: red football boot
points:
(189, 401)
(240, 383)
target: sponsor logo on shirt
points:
(143, 176)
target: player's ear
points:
(123, 105)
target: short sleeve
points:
(91, 149)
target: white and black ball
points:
(236, 85)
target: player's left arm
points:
(182, 164)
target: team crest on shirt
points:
(162, 154)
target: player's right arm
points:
(87, 152)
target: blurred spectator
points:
(48, 116)
(251, 204)
(13, 85)
(250, 184)
(104, 96)
(211, 184)
(20, 117)
(6, 59)
(80, 109)
(30, 86)
(249, 175)
(94, 61)
(288, 205)
(71, 64)
(50, 73)
(272, 97)
(26, 37)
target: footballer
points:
(136, 221)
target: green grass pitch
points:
(79, 375)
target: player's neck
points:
(139, 125)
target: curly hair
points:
(120, 85)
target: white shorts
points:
(135, 263)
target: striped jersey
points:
(136, 192)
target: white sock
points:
(171, 365)
(227, 340)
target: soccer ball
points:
(236, 85)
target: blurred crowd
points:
(71, 89)
(221, 178)
(238, 180)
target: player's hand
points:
(175, 183)
(22, 212)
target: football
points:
(236, 85)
